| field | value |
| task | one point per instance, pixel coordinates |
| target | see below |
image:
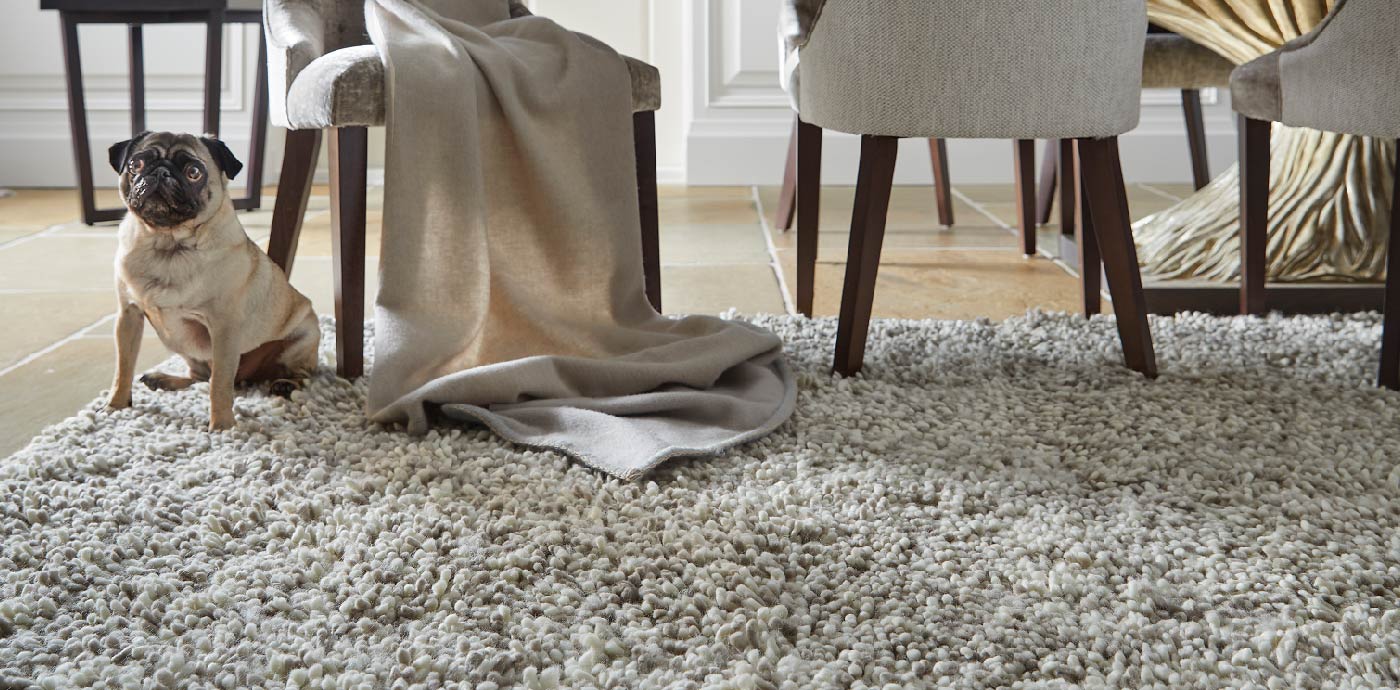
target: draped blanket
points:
(510, 272)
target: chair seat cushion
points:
(1170, 61)
(1255, 91)
(345, 88)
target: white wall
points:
(34, 138)
(723, 120)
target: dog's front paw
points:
(119, 402)
(221, 422)
(158, 381)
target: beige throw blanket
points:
(510, 270)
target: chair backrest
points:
(984, 69)
(344, 20)
(1345, 75)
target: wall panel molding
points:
(34, 129)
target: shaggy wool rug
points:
(989, 505)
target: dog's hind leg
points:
(299, 360)
(286, 362)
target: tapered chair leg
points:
(303, 147)
(1254, 213)
(349, 167)
(644, 142)
(942, 186)
(1025, 193)
(809, 189)
(787, 196)
(1049, 174)
(1069, 191)
(1107, 200)
(1390, 331)
(257, 147)
(136, 76)
(877, 159)
(1090, 263)
(1196, 136)
(213, 57)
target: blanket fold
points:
(511, 270)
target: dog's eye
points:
(136, 165)
(193, 173)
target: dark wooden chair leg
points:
(257, 146)
(349, 163)
(1196, 136)
(1107, 199)
(787, 197)
(136, 77)
(213, 59)
(1390, 331)
(1087, 244)
(644, 142)
(809, 191)
(1025, 193)
(1069, 191)
(1049, 179)
(303, 148)
(877, 159)
(77, 117)
(1254, 213)
(942, 186)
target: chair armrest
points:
(295, 34)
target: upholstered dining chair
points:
(997, 69)
(1344, 77)
(1169, 61)
(324, 75)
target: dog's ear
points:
(222, 156)
(119, 153)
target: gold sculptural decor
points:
(1328, 193)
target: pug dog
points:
(185, 264)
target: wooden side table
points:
(135, 14)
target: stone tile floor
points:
(718, 249)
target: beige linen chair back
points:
(996, 69)
(1345, 76)
(300, 31)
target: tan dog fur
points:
(212, 295)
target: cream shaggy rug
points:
(991, 505)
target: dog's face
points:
(169, 179)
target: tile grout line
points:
(775, 264)
(46, 232)
(983, 210)
(1164, 194)
(1039, 251)
(74, 336)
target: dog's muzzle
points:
(161, 197)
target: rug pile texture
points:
(989, 505)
